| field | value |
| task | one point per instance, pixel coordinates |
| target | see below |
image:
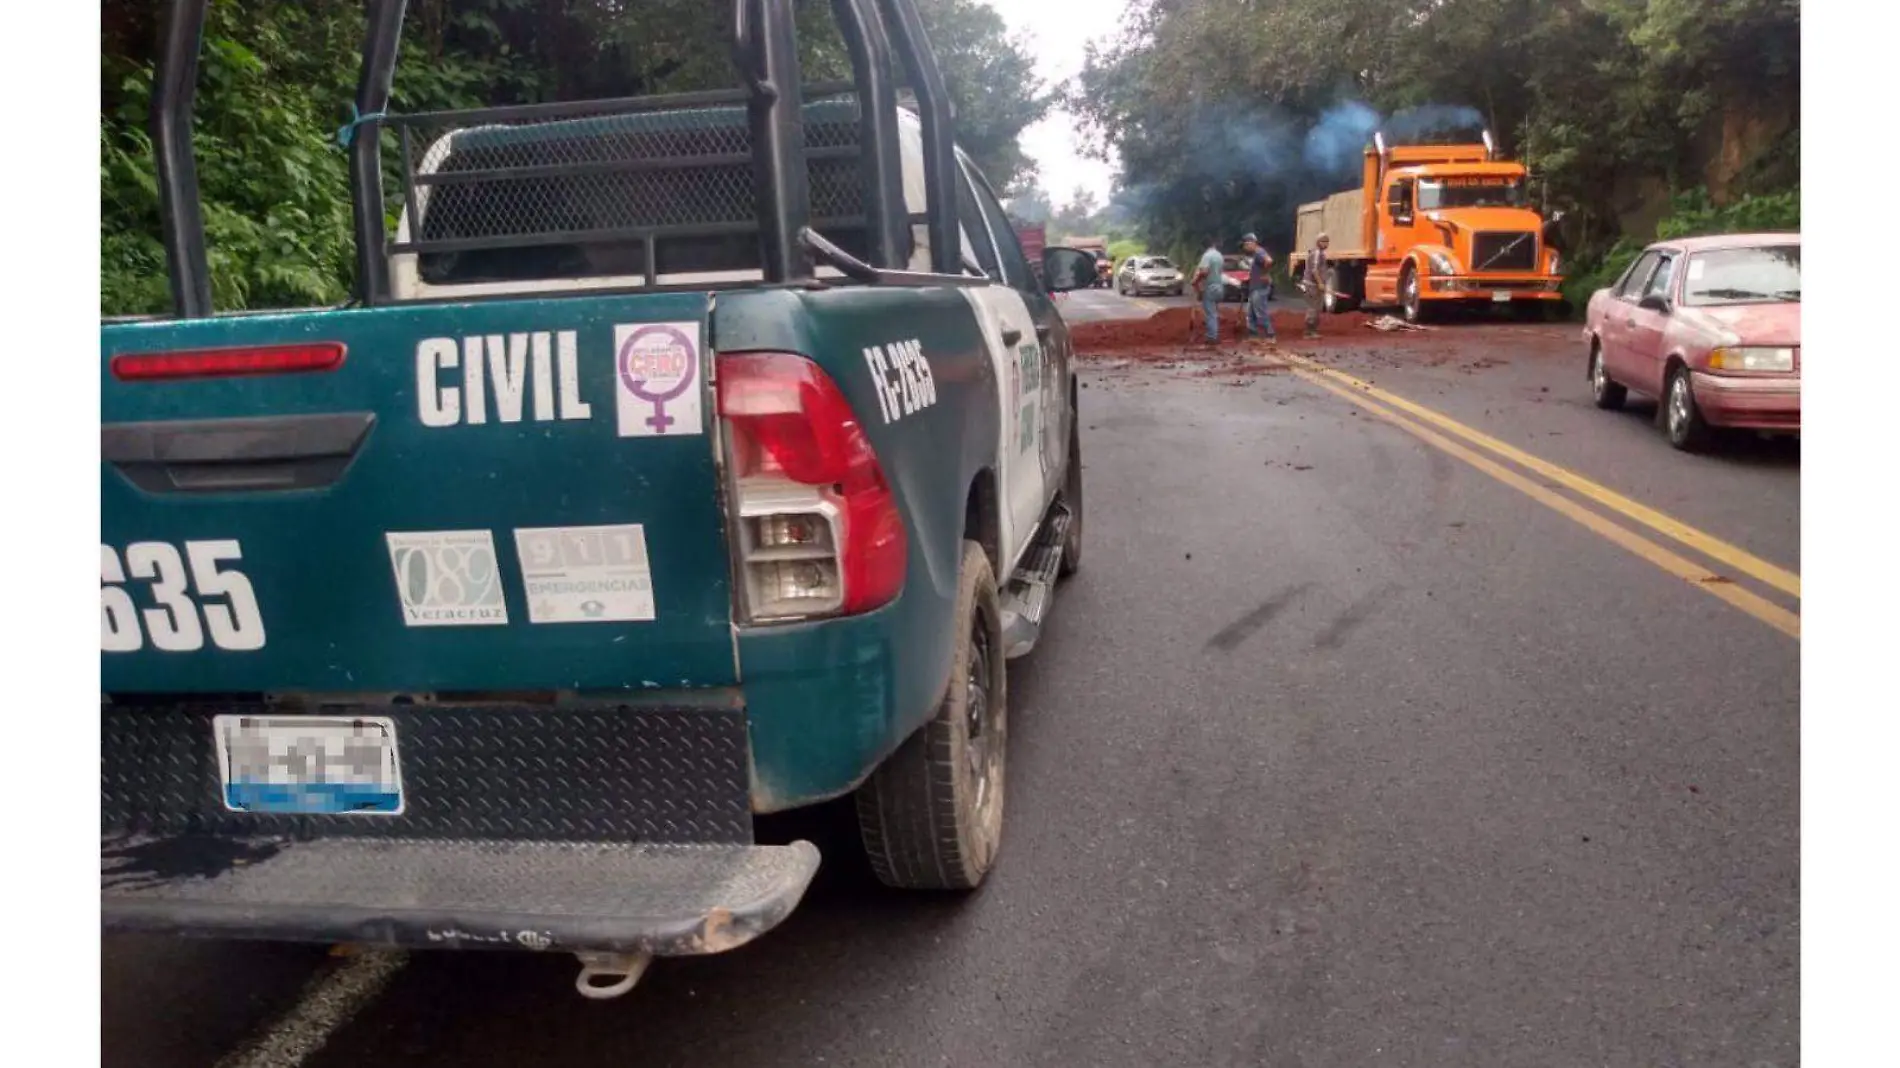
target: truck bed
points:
(1340, 217)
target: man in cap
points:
(1259, 289)
(1313, 284)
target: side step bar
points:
(1032, 589)
(586, 898)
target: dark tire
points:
(1606, 393)
(932, 816)
(1682, 420)
(1410, 302)
(1072, 496)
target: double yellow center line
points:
(1426, 424)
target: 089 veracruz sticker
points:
(657, 379)
(586, 574)
(447, 578)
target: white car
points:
(1149, 274)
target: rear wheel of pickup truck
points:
(932, 816)
(1072, 499)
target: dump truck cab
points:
(680, 459)
(1432, 225)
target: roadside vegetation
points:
(277, 76)
(1638, 118)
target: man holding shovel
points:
(1313, 285)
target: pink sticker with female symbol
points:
(657, 383)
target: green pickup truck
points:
(679, 459)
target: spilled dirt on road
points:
(1171, 340)
(1183, 326)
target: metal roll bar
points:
(180, 213)
(940, 150)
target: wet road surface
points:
(1338, 751)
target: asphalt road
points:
(1096, 305)
(1340, 750)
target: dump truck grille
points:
(1495, 251)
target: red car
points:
(1234, 273)
(1711, 327)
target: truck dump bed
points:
(1340, 217)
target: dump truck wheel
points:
(932, 816)
(1410, 302)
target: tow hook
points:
(609, 975)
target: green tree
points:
(276, 77)
(1030, 205)
(1078, 217)
(1213, 106)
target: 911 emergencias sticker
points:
(586, 574)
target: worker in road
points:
(1313, 284)
(1208, 284)
(1259, 289)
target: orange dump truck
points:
(1430, 225)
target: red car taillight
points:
(818, 528)
(228, 363)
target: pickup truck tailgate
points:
(494, 496)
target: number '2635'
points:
(180, 587)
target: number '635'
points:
(195, 593)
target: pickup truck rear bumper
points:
(593, 828)
(576, 897)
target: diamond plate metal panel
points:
(557, 774)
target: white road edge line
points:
(331, 999)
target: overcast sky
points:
(1057, 31)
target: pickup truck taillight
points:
(816, 524)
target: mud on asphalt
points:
(1171, 340)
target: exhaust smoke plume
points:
(1250, 168)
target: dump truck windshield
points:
(1471, 191)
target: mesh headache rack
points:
(621, 190)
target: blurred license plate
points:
(1501, 297)
(309, 765)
